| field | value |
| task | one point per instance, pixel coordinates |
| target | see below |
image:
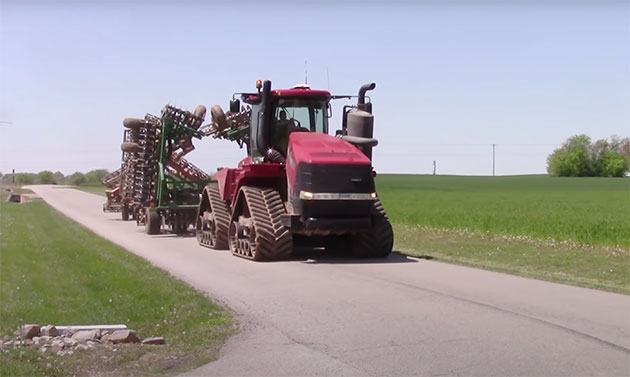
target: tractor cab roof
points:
(302, 92)
(298, 91)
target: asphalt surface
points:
(326, 315)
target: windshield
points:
(308, 115)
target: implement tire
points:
(134, 123)
(130, 147)
(124, 213)
(153, 222)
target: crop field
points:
(572, 230)
(593, 211)
(53, 271)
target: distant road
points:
(318, 315)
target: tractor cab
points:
(275, 114)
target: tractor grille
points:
(335, 178)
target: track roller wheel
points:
(256, 231)
(379, 240)
(153, 221)
(213, 220)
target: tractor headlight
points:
(306, 195)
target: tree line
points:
(577, 157)
(580, 157)
(93, 177)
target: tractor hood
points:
(322, 163)
(317, 148)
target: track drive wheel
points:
(256, 231)
(213, 220)
(379, 240)
(153, 222)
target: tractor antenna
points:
(305, 72)
(328, 78)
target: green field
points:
(570, 230)
(592, 211)
(52, 270)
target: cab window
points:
(307, 114)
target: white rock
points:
(49, 330)
(122, 336)
(70, 342)
(84, 335)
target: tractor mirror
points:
(235, 106)
(328, 110)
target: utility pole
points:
(493, 158)
(434, 167)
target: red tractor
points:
(298, 185)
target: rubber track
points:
(379, 241)
(272, 240)
(221, 220)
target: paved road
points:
(318, 315)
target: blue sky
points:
(452, 77)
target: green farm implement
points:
(160, 187)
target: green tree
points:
(572, 159)
(45, 177)
(613, 164)
(58, 178)
(25, 178)
(94, 177)
(578, 157)
(76, 179)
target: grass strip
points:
(52, 270)
(557, 261)
(96, 189)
